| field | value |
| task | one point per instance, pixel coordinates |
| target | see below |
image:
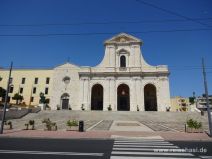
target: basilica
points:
(123, 81)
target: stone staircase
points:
(158, 121)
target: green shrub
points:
(71, 123)
(194, 124)
(49, 124)
(31, 122)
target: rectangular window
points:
(34, 90)
(31, 99)
(21, 90)
(36, 80)
(46, 90)
(47, 80)
(23, 80)
(11, 89)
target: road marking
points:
(145, 143)
(136, 138)
(147, 148)
(140, 140)
(139, 149)
(150, 153)
(207, 157)
(51, 153)
(157, 142)
(147, 157)
(90, 128)
(158, 146)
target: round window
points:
(66, 80)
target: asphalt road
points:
(55, 148)
(25, 148)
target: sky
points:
(46, 33)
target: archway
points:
(65, 101)
(123, 97)
(150, 98)
(97, 97)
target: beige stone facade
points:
(123, 81)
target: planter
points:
(51, 128)
(7, 127)
(31, 127)
(73, 128)
(193, 130)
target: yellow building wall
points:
(176, 103)
(29, 75)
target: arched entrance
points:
(65, 101)
(123, 97)
(97, 97)
(150, 98)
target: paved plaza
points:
(115, 121)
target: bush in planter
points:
(193, 125)
(138, 108)
(8, 124)
(30, 123)
(109, 108)
(72, 124)
(49, 124)
(82, 107)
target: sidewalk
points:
(104, 135)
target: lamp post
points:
(207, 100)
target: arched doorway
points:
(150, 98)
(97, 97)
(123, 97)
(65, 101)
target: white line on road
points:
(144, 144)
(154, 146)
(140, 149)
(140, 141)
(51, 153)
(146, 157)
(207, 157)
(157, 142)
(150, 153)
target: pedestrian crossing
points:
(147, 149)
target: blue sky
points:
(180, 50)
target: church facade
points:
(123, 81)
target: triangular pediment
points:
(123, 38)
(66, 65)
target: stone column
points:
(142, 94)
(139, 94)
(85, 93)
(112, 88)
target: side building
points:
(180, 104)
(29, 83)
(123, 81)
